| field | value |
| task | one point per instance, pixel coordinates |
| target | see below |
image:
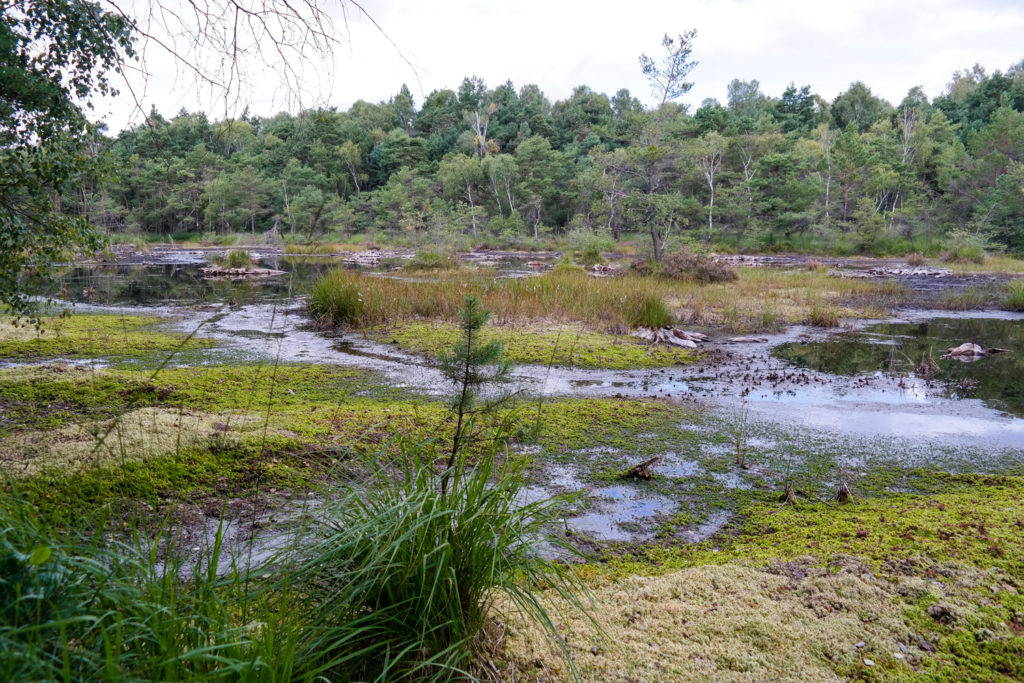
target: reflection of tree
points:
(994, 379)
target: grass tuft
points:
(1013, 300)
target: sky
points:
(891, 45)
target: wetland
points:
(232, 408)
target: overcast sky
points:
(891, 45)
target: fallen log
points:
(970, 352)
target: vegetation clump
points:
(1014, 298)
(236, 258)
(433, 259)
(683, 265)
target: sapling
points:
(470, 365)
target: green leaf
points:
(40, 555)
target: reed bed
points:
(760, 299)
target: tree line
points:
(506, 165)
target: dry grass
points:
(759, 299)
(138, 435)
(722, 623)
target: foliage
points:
(77, 610)
(54, 55)
(236, 258)
(432, 259)
(508, 168)
(651, 312)
(336, 300)
(469, 365)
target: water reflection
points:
(914, 351)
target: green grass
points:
(397, 580)
(1013, 300)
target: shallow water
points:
(913, 351)
(850, 384)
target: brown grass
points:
(759, 299)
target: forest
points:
(506, 166)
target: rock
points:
(941, 613)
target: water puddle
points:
(622, 513)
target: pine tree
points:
(469, 365)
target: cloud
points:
(891, 46)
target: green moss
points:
(535, 346)
(92, 335)
(186, 477)
(958, 549)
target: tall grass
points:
(403, 577)
(557, 296)
(78, 609)
(1013, 300)
(760, 298)
(398, 582)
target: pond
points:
(915, 349)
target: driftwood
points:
(671, 337)
(746, 340)
(601, 270)
(642, 470)
(970, 352)
(220, 272)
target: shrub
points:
(916, 259)
(682, 265)
(567, 265)
(962, 247)
(236, 258)
(645, 267)
(822, 315)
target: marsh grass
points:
(74, 607)
(396, 579)
(432, 259)
(970, 298)
(405, 573)
(759, 297)
(236, 258)
(1013, 300)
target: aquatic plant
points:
(649, 311)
